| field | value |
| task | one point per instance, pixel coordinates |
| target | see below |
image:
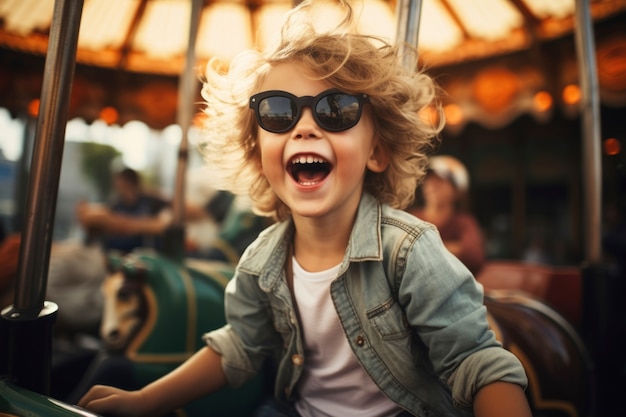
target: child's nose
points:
(306, 127)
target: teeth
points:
(307, 160)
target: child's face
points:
(315, 172)
(438, 190)
(126, 191)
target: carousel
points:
(517, 74)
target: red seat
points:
(560, 287)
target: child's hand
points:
(112, 401)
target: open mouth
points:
(309, 169)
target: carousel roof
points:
(124, 46)
(150, 35)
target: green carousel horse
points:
(156, 310)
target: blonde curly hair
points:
(349, 61)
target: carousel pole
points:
(591, 146)
(27, 324)
(600, 304)
(408, 14)
(174, 240)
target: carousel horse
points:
(155, 312)
(549, 348)
(538, 309)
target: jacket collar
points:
(265, 258)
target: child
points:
(443, 195)
(360, 306)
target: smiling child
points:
(358, 304)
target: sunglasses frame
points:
(306, 101)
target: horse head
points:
(125, 307)
(157, 309)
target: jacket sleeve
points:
(444, 305)
(249, 337)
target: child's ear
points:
(379, 158)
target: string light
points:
(571, 94)
(542, 101)
(33, 107)
(109, 115)
(454, 114)
(612, 146)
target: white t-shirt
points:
(333, 383)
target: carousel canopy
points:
(130, 52)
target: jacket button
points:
(297, 360)
(360, 341)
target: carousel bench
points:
(558, 286)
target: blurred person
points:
(441, 200)
(205, 211)
(218, 224)
(115, 224)
(239, 226)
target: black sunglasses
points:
(333, 110)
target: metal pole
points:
(601, 303)
(27, 324)
(47, 157)
(408, 14)
(591, 146)
(175, 235)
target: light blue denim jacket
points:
(412, 313)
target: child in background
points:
(443, 203)
(358, 303)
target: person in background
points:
(442, 201)
(114, 224)
(218, 225)
(356, 302)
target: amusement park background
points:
(509, 69)
(512, 103)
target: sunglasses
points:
(333, 110)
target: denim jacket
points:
(411, 312)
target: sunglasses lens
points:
(276, 113)
(338, 111)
